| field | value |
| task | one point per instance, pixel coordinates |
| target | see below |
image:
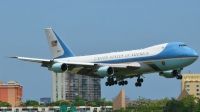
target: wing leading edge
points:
(83, 68)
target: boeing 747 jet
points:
(167, 59)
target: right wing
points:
(82, 68)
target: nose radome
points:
(195, 53)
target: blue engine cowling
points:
(167, 74)
(105, 71)
(59, 67)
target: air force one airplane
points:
(167, 59)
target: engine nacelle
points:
(105, 71)
(167, 74)
(59, 67)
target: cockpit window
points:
(182, 45)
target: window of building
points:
(188, 90)
(198, 94)
(197, 85)
(187, 85)
(197, 90)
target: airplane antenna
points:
(142, 76)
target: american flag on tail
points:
(53, 43)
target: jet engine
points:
(105, 71)
(167, 74)
(59, 67)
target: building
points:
(191, 83)
(119, 101)
(183, 94)
(45, 100)
(11, 92)
(54, 109)
(127, 99)
(58, 86)
(66, 86)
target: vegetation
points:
(29, 103)
(60, 102)
(100, 102)
(5, 104)
(81, 102)
(187, 104)
(78, 101)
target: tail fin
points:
(58, 48)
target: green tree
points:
(142, 104)
(60, 102)
(147, 105)
(101, 102)
(197, 106)
(174, 105)
(23, 104)
(78, 103)
(31, 103)
(189, 103)
(157, 106)
(5, 104)
(78, 98)
(109, 103)
(91, 103)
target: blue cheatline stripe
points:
(67, 51)
(172, 50)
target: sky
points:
(93, 27)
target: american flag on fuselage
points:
(53, 43)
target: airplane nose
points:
(194, 53)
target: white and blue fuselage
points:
(162, 57)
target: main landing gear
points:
(139, 82)
(122, 82)
(177, 74)
(111, 82)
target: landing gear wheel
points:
(122, 82)
(138, 80)
(138, 84)
(179, 77)
(125, 82)
(106, 83)
(115, 82)
(119, 83)
(141, 80)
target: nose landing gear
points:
(177, 74)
